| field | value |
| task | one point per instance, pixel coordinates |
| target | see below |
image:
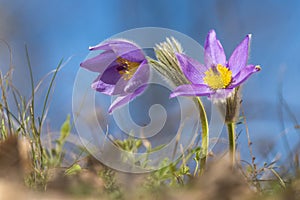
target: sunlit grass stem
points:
(231, 138)
(205, 135)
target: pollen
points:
(127, 68)
(218, 78)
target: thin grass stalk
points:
(5, 104)
(38, 159)
(47, 95)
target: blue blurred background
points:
(61, 29)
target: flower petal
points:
(111, 75)
(106, 44)
(100, 62)
(122, 100)
(110, 82)
(106, 83)
(102, 87)
(239, 57)
(221, 95)
(119, 87)
(192, 90)
(140, 77)
(122, 48)
(243, 75)
(192, 69)
(132, 55)
(213, 51)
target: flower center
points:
(127, 68)
(218, 77)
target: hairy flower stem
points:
(231, 138)
(205, 135)
(167, 65)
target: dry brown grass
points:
(220, 182)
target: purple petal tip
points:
(212, 31)
(91, 48)
(172, 95)
(249, 36)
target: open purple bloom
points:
(122, 68)
(218, 77)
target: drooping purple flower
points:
(217, 78)
(122, 68)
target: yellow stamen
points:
(127, 68)
(218, 78)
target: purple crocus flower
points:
(122, 68)
(217, 78)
